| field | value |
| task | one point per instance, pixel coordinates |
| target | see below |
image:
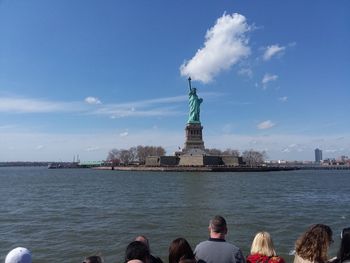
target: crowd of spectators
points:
(311, 247)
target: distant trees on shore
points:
(228, 151)
(134, 154)
(250, 157)
(139, 154)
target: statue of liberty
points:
(194, 103)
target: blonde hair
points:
(263, 245)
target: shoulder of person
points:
(155, 259)
(200, 244)
(332, 260)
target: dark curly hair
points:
(314, 243)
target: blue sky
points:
(83, 77)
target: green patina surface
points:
(194, 106)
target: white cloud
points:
(286, 150)
(273, 50)
(225, 45)
(283, 99)
(143, 108)
(3, 127)
(92, 148)
(123, 134)
(331, 150)
(92, 100)
(167, 106)
(129, 109)
(27, 105)
(246, 72)
(39, 147)
(265, 125)
(267, 79)
(292, 147)
(117, 112)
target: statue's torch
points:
(189, 83)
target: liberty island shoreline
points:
(196, 169)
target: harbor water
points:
(62, 215)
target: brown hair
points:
(218, 224)
(180, 250)
(314, 243)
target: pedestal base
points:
(194, 141)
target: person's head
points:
(180, 251)
(263, 245)
(186, 260)
(217, 227)
(143, 239)
(19, 255)
(93, 259)
(314, 243)
(137, 250)
(344, 250)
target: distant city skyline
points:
(84, 77)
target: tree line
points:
(139, 154)
(250, 157)
(134, 154)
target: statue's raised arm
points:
(189, 83)
(194, 105)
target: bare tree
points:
(144, 151)
(114, 157)
(232, 152)
(160, 151)
(213, 151)
(253, 158)
(133, 154)
(126, 156)
(141, 153)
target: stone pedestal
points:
(193, 152)
(194, 139)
